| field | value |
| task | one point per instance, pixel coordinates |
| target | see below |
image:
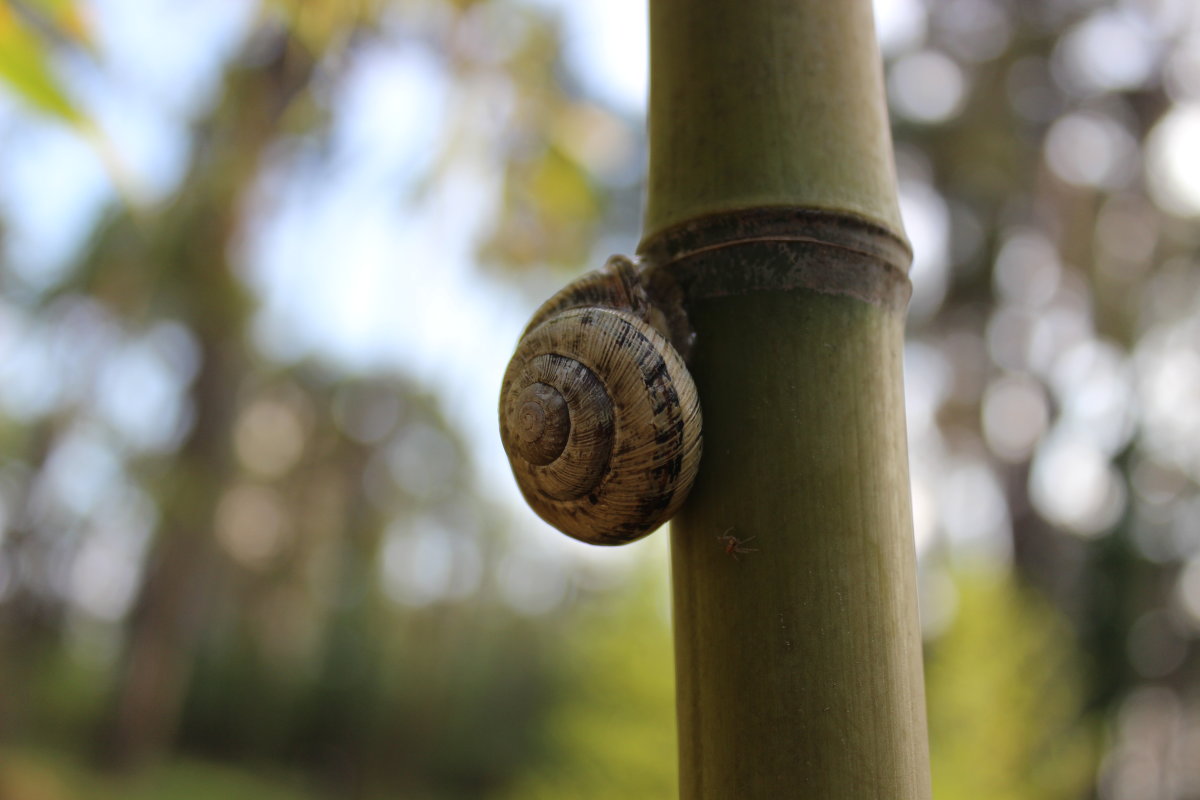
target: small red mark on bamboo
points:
(734, 545)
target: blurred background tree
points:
(261, 266)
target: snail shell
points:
(598, 414)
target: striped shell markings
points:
(598, 414)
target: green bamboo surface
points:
(767, 102)
(798, 663)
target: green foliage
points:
(25, 63)
(612, 731)
(455, 717)
(63, 696)
(1006, 693)
(41, 775)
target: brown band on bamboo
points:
(779, 249)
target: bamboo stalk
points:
(772, 204)
(766, 103)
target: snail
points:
(598, 413)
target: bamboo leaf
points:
(28, 32)
(25, 68)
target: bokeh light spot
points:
(973, 510)
(269, 437)
(1074, 485)
(927, 221)
(1108, 51)
(1089, 149)
(252, 525)
(1173, 161)
(899, 25)
(975, 30)
(1027, 269)
(428, 562)
(927, 86)
(1016, 412)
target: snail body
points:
(598, 414)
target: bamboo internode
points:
(772, 208)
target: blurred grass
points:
(33, 774)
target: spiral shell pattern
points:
(601, 421)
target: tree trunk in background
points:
(189, 249)
(772, 205)
(179, 584)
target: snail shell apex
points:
(598, 414)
